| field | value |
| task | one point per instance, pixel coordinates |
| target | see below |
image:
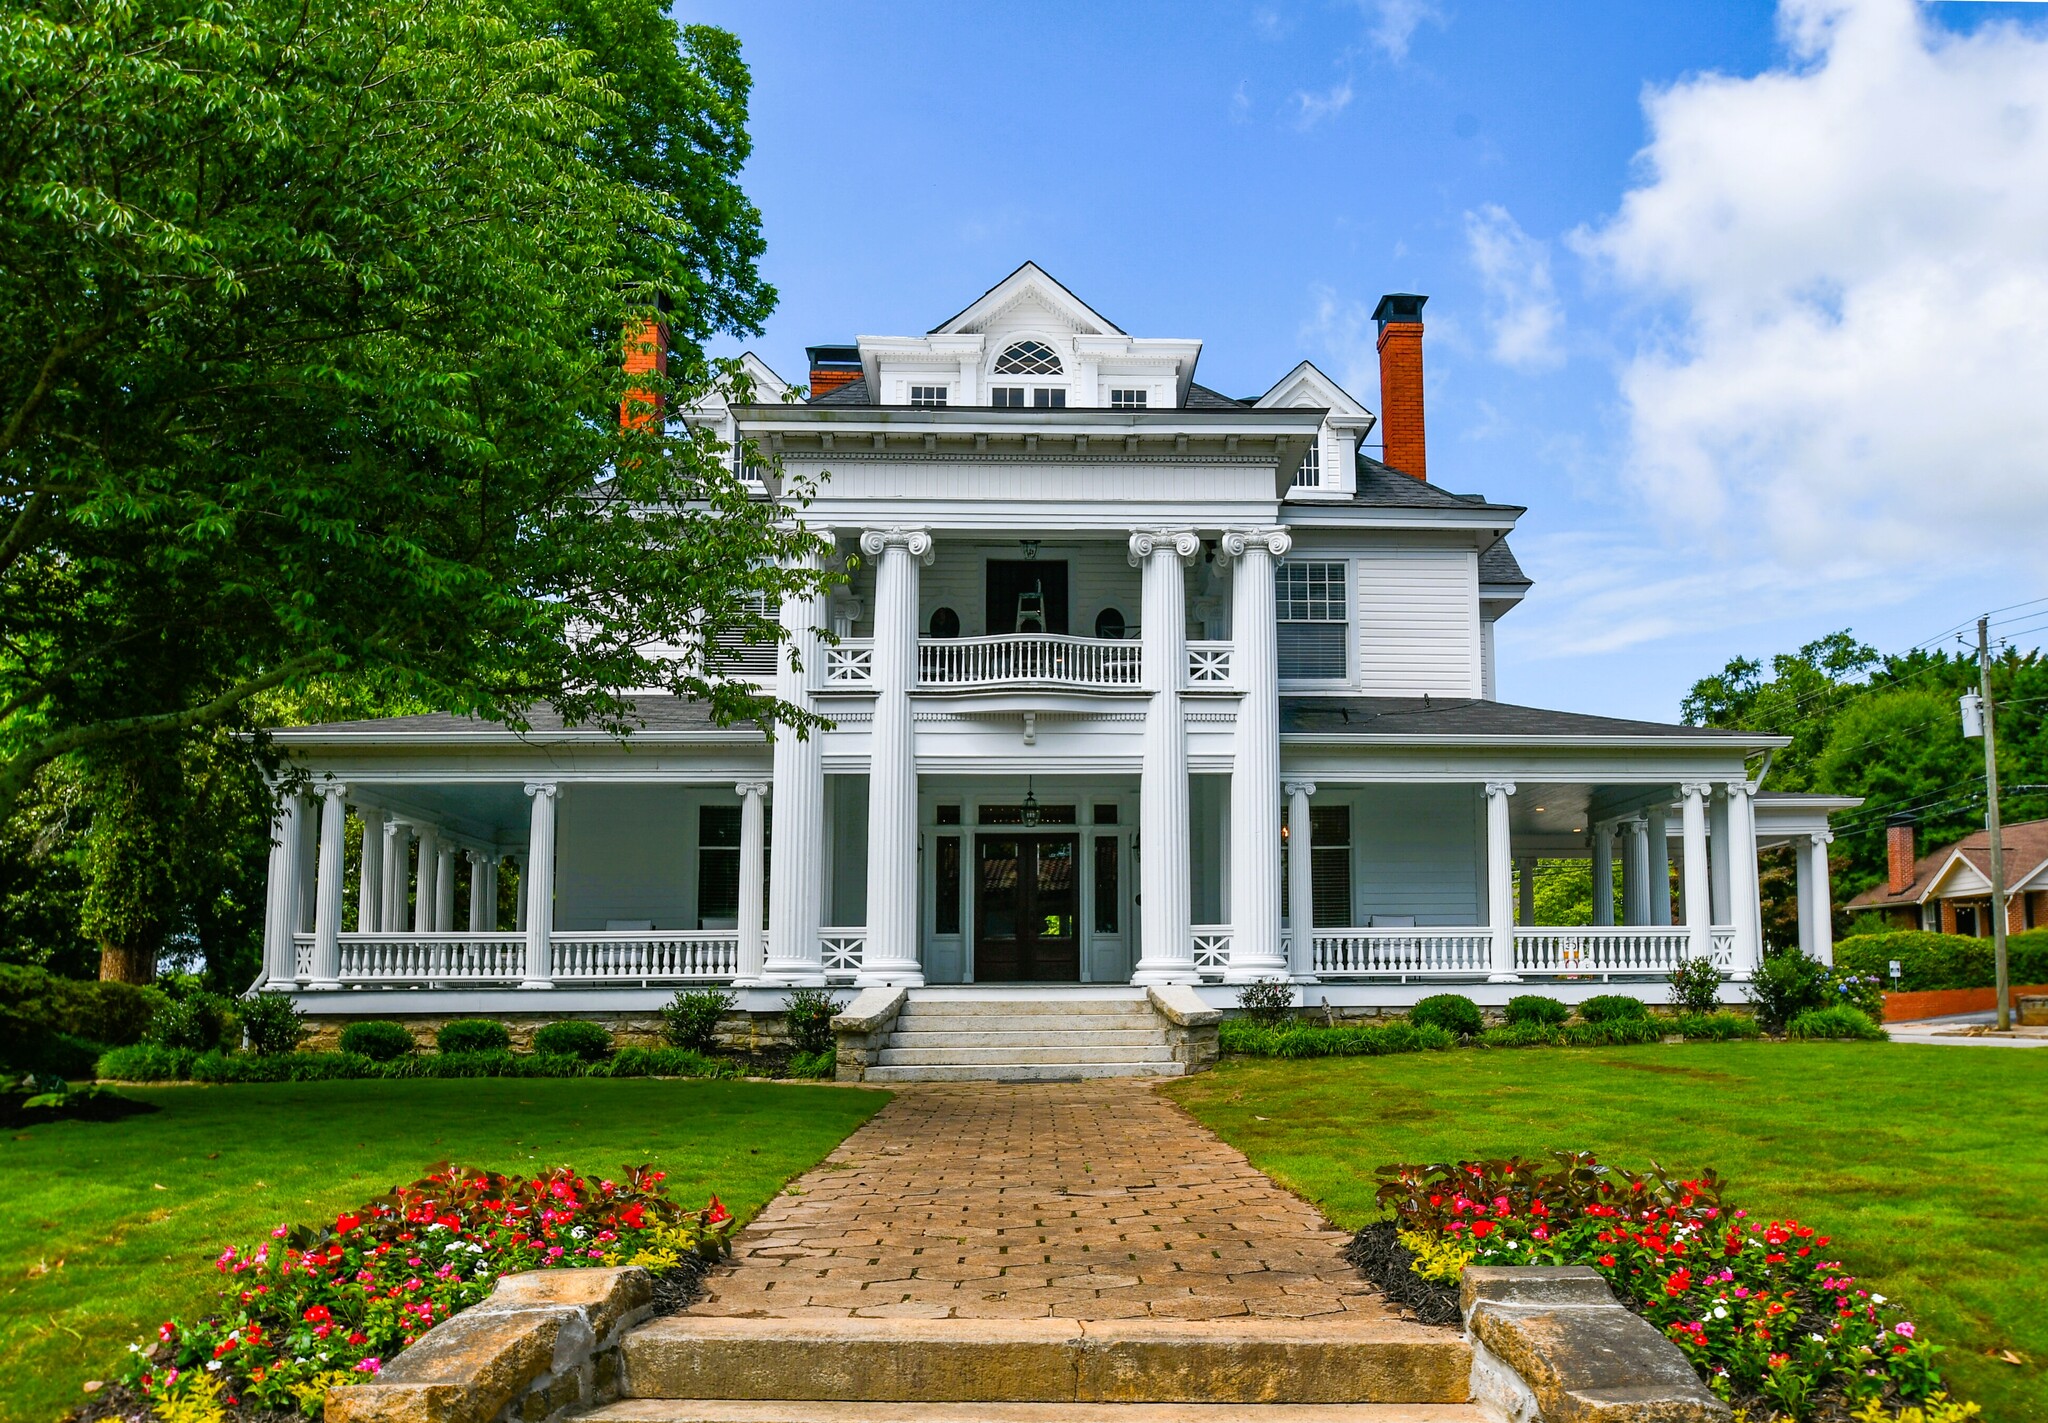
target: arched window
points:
(1109, 623)
(945, 623)
(1028, 358)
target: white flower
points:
(1720, 1311)
(1877, 1299)
(213, 1366)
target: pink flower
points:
(1903, 1329)
(370, 1366)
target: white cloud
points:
(1522, 311)
(1312, 109)
(1344, 332)
(1395, 22)
(1853, 249)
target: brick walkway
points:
(1083, 1200)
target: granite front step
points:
(1007, 1005)
(1033, 1037)
(915, 1055)
(701, 1410)
(1055, 1361)
(1023, 1072)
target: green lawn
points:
(111, 1226)
(1928, 1165)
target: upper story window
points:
(1315, 628)
(928, 395)
(1007, 397)
(1028, 358)
(1013, 397)
(1127, 400)
(1310, 475)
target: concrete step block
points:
(911, 1056)
(702, 1410)
(1023, 1072)
(1048, 1005)
(1035, 1037)
(1043, 1029)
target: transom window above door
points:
(1029, 358)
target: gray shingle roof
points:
(1498, 564)
(1366, 717)
(1200, 397)
(1387, 487)
(854, 392)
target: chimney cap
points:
(1399, 308)
(833, 355)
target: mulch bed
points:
(1382, 1258)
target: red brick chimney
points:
(832, 367)
(1400, 317)
(1899, 857)
(646, 354)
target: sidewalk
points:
(1965, 1030)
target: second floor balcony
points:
(1027, 660)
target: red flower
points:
(1678, 1282)
(715, 1213)
(1482, 1228)
(318, 1314)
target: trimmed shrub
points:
(1696, 986)
(272, 1024)
(1240, 1035)
(145, 1062)
(586, 1042)
(1453, 1012)
(662, 1062)
(1616, 1032)
(1838, 1021)
(1716, 1027)
(56, 1055)
(35, 1004)
(1787, 984)
(1930, 962)
(809, 1014)
(281, 1067)
(691, 1018)
(1612, 1008)
(1535, 1008)
(1267, 1001)
(815, 1066)
(500, 1063)
(195, 1021)
(378, 1039)
(473, 1035)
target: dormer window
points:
(932, 395)
(1028, 358)
(1127, 400)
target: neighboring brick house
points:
(1948, 889)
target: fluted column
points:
(487, 872)
(477, 874)
(796, 859)
(1500, 882)
(425, 877)
(280, 899)
(753, 868)
(1167, 948)
(1816, 899)
(327, 888)
(1603, 874)
(444, 890)
(889, 953)
(1698, 895)
(540, 886)
(1744, 908)
(1301, 882)
(1635, 883)
(397, 845)
(1255, 765)
(370, 879)
(1657, 880)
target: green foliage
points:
(1716, 1027)
(271, 1023)
(1787, 984)
(378, 1039)
(1453, 1012)
(1696, 986)
(662, 1062)
(473, 1035)
(1267, 1001)
(1239, 1035)
(809, 1013)
(192, 1018)
(1612, 1008)
(37, 1008)
(1935, 961)
(152, 1064)
(1614, 1032)
(585, 1041)
(1835, 1021)
(1535, 1008)
(815, 1066)
(145, 1062)
(1564, 892)
(691, 1018)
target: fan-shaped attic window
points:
(1028, 358)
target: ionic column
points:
(327, 888)
(397, 844)
(889, 953)
(1166, 943)
(795, 877)
(1744, 907)
(1698, 894)
(1635, 883)
(370, 882)
(1816, 899)
(1603, 874)
(1301, 883)
(1500, 882)
(425, 877)
(753, 869)
(477, 873)
(1657, 880)
(1718, 857)
(444, 890)
(1255, 765)
(540, 886)
(280, 898)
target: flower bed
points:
(313, 1308)
(1772, 1323)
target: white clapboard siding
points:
(1418, 622)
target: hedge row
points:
(1240, 1035)
(1929, 962)
(148, 1063)
(59, 1025)
(1245, 1037)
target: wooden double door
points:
(1027, 907)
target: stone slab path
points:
(1084, 1200)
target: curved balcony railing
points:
(1030, 659)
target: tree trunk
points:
(126, 964)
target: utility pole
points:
(1991, 826)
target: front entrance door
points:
(1027, 901)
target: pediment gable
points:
(1028, 298)
(1306, 388)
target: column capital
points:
(1237, 543)
(1822, 838)
(543, 788)
(1298, 787)
(1636, 824)
(1740, 788)
(1146, 542)
(747, 788)
(1502, 788)
(916, 542)
(1689, 789)
(334, 790)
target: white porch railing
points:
(1339, 953)
(850, 662)
(1208, 664)
(1042, 659)
(1212, 949)
(1604, 949)
(841, 949)
(422, 958)
(640, 955)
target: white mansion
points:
(1129, 683)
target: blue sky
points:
(1748, 305)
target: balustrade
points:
(1212, 949)
(1046, 659)
(632, 955)
(1209, 664)
(840, 950)
(1600, 950)
(850, 663)
(1339, 953)
(433, 958)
